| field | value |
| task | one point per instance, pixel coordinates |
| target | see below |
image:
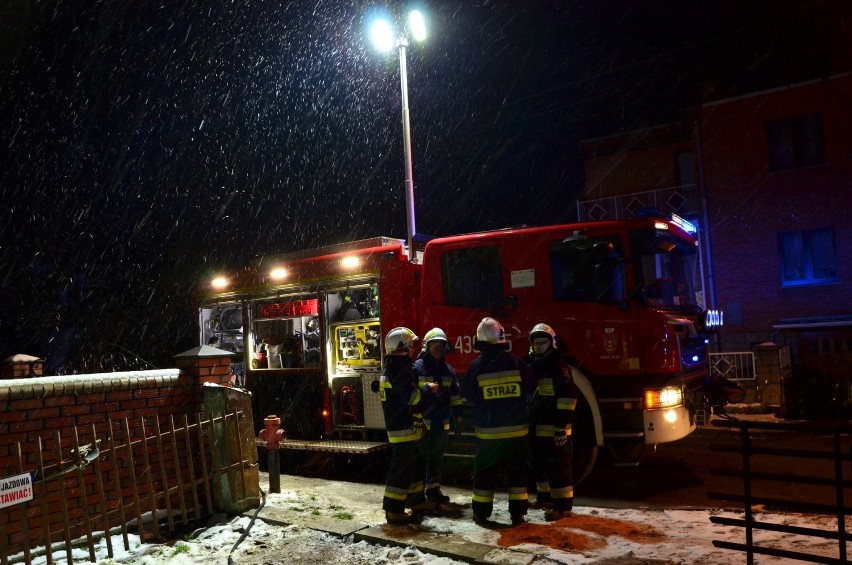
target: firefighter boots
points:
(554, 515)
(542, 500)
(401, 518)
(422, 504)
(435, 495)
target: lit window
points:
(807, 257)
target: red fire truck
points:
(309, 325)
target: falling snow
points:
(148, 146)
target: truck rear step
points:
(332, 445)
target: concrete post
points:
(21, 366)
(767, 369)
(237, 487)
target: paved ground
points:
(354, 509)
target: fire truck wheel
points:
(585, 449)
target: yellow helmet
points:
(437, 334)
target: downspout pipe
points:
(705, 216)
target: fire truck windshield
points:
(666, 267)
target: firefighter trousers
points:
(405, 478)
(551, 469)
(432, 448)
(491, 455)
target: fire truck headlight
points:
(670, 416)
(667, 397)
(219, 282)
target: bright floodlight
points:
(382, 35)
(417, 25)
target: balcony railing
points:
(680, 200)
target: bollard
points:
(273, 435)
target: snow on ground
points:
(590, 535)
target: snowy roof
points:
(21, 358)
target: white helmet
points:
(540, 331)
(490, 331)
(543, 330)
(399, 340)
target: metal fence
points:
(736, 366)
(766, 475)
(103, 357)
(115, 485)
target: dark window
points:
(685, 163)
(807, 257)
(796, 142)
(587, 270)
(473, 277)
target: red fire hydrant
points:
(273, 435)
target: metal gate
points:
(765, 466)
(143, 476)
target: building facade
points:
(768, 179)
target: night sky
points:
(146, 145)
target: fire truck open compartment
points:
(284, 333)
(221, 326)
(354, 358)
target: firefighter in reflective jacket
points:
(551, 416)
(439, 410)
(499, 384)
(400, 398)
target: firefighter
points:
(551, 417)
(499, 384)
(438, 410)
(400, 398)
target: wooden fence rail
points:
(763, 470)
(126, 482)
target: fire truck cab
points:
(619, 295)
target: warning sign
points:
(14, 490)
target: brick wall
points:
(636, 161)
(749, 204)
(33, 409)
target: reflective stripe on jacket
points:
(556, 395)
(399, 395)
(499, 385)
